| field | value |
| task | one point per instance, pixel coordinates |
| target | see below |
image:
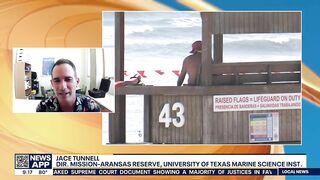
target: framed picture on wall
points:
(47, 64)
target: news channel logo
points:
(33, 161)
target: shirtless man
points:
(191, 65)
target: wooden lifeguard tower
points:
(201, 124)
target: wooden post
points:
(206, 77)
(206, 58)
(118, 120)
(119, 46)
(269, 78)
(147, 131)
(218, 48)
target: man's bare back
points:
(191, 65)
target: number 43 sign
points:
(165, 118)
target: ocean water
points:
(156, 44)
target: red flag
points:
(141, 73)
(176, 72)
(159, 72)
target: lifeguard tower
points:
(189, 115)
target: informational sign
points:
(249, 102)
(263, 127)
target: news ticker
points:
(140, 165)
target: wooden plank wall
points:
(190, 133)
(265, 72)
(233, 127)
(254, 22)
(203, 126)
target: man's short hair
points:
(65, 61)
